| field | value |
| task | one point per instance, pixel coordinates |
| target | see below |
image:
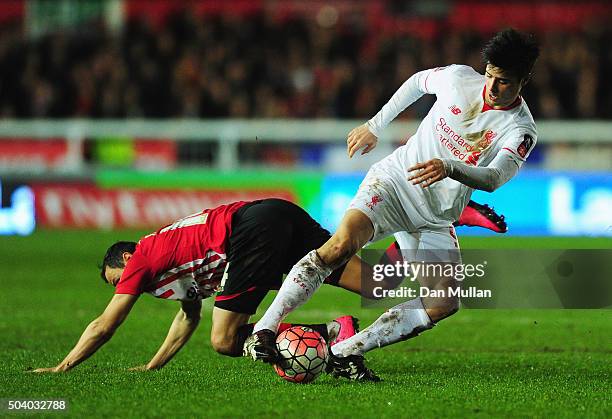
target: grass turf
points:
(510, 363)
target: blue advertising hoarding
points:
(17, 211)
(535, 203)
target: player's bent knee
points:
(223, 344)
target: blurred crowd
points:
(231, 66)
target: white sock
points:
(303, 280)
(401, 322)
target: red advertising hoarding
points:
(88, 206)
(33, 155)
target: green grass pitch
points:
(478, 363)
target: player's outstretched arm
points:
(183, 326)
(359, 138)
(97, 333)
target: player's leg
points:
(437, 247)
(408, 319)
(356, 275)
(230, 328)
(309, 235)
(260, 250)
(308, 274)
(402, 321)
(474, 215)
(224, 334)
(440, 245)
(257, 250)
(303, 280)
(375, 212)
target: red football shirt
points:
(184, 260)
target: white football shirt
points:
(459, 126)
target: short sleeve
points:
(135, 277)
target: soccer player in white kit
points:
(476, 136)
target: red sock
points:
(392, 255)
(284, 326)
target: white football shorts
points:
(378, 200)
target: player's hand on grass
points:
(428, 173)
(359, 138)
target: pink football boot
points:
(479, 215)
(349, 326)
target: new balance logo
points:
(455, 110)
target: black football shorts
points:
(268, 237)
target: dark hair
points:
(513, 51)
(113, 257)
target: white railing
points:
(230, 132)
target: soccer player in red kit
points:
(237, 251)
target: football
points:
(304, 353)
